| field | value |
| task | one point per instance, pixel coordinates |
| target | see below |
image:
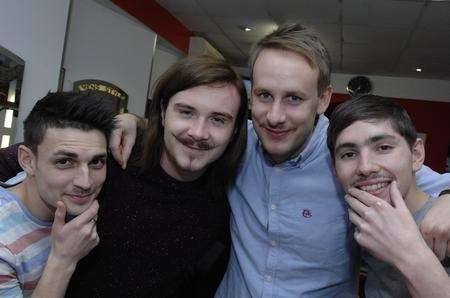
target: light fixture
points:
(246, 29)
(5, 141)
(418, 69)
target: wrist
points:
(60, 264)
(417, 259)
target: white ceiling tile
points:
(233, 27)
(326, 11)
(391, 37)
(234, 8)
(427, 55)
(436, 16)
(197, 23)
(219, 40)
(183, 6)
(430, 38)
(355, 12)
(394, 13)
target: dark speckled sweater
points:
(159, 237)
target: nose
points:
(367, 165)
(198, 130)
(276, 114)
(82, 178)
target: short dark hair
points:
(367, 108)
(81, 110)
(301, 40)
(188, 73)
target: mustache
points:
(202, 145)
(78, 191)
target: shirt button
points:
(268, 278)
(273, 206)
(273, 243)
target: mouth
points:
(277, 134)
(80, 199)
(374, 187)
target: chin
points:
(76, 210)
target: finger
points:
(60, 216)
(440, 248)
(357, 220)
(87, 215)
(114, 144)
(127, 146)
(396, 197)
(356, 205)
(363, 196)
(448, 249)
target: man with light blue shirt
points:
(291, 236)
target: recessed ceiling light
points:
(247, 29)
(418, 69)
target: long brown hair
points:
(188, 73)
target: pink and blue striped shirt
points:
(24, 247)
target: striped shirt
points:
(24, 247)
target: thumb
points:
(396, 196)
(60, 216)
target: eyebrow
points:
(185, 106)
(74, 155)
(287, 93)
(371, 140)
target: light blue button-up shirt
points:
(291, 236)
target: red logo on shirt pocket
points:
(306, 213)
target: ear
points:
(324, 100)
(418, 154)
(27, 160)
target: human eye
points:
(185, 112)
(347, 155)
(294, 99)
(64, 163)
(97, 163)
(264, 95)
(384, 148)
(219, 121)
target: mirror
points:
(11, 75)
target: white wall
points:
(410, 88)
(34, 31)
(105, 43)
(165, 55)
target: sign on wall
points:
(118, 97)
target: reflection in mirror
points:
(11, 74)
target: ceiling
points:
(373, 37)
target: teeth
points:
(373, 187)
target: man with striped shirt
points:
(48, 214)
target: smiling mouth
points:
(275, 133)
(80, 199)
(373, 188)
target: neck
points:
(27, 192)
(415, 199)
